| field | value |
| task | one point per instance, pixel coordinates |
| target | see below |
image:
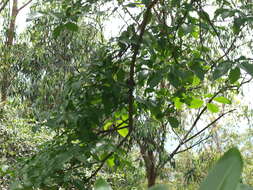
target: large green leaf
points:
(101, 184)
(159, 187)
(226, 173)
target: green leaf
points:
(159, 187)
(101, 184)
(196, 103)
(248, 68)
(234, 75)
(221, 69)
(178, 103)
(174, 123)
(212, 108)
(110, 162)
(222, 100)
(238, 22)
(133, 5)
(198, 70)
(155, 79)
(107, 125)
(123, 132)
(225, 175)
(243, 187)
(57, 30)
(71, 26)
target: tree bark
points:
(9, 42)
(150, 165)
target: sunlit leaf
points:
(212, 108)
(222, 99)
(196, 103)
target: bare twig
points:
(210, 124)
(192, 146)
(23, 6)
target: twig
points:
(23, 6)
(192, 146)
(214, 121)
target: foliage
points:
(168, 77)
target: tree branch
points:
(210, 124)
(131, 87)
(23, 6)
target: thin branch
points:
(132, 17)
(210, 124)
(23, 6)
(107, 157)
(192, 146)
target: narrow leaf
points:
(222, 100)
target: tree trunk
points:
(8, 44)
(150, 165)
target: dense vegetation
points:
(158, 102)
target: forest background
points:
(135, 92)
